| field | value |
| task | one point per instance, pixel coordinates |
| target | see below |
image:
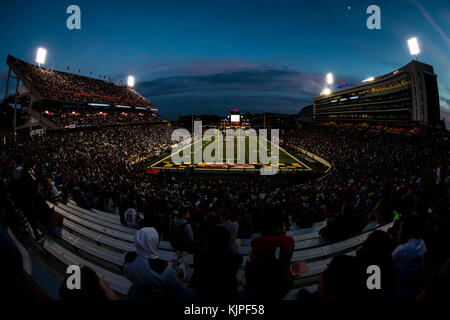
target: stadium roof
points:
(62, 87)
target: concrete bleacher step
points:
(292, 295)
(247, 242)
(307, 254)
(129, 231)
(94, 226)
(91, 216)
(331, 249)
(98, 237)
(89, 247)
(315, 227)
(316, 269)
(165, 245)
(316, 257)
(114, 216)
(297, 238)
(98, 214)
(117, 282)
(36, 272)
(114, 257)
(307, 236)
(299, 245)
(99, 217)
(91, 232)
(298, 232)
(106, 244)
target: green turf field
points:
(239, 153)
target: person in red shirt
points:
(268, 269)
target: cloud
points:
(445, 110)
(177, 67)
(256, 89)
(446, 16)
(446, 116)
(173, 106)
(207, 66)
(431, 21)
(244, 85)
(445, 103)
(259, 80)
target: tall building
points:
(408, 95)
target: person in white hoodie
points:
(409, 258)
(151, 277)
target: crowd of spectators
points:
(376, 178)
(76, 117)
(77, 89)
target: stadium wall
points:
(408, 95)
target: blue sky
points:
(211, 56)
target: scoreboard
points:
(234, 120)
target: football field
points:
(231, 153)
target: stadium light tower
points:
(330, 79)
(130, 81)
(370, 79)
(414, 48)
(41, 54)
(326, 91)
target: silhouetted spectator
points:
(267, 273)
(215, 272)
(92, 288)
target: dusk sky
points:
(212, 56)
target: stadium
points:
(97, 183)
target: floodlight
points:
(413, 45)
(369, 79)
(330, 79)
(326, 91)
(130, 81)
(41, 54)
